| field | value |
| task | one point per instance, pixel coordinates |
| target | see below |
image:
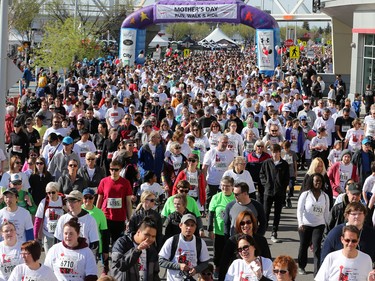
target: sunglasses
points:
(184, 190)
(192, 160)
(51, 192)
(177, 147)
(244, 248)
(88, 197)
(248, 222)
(151, 200)
(206, 273)
(72, 200)
(39, 163)
(90, 159)
(114, 169)
(73, 165)
(273, 131)
(237, 194)
(277, 271)
(354, 241)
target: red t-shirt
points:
(114, 197)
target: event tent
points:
(218, 37)
(158, 40)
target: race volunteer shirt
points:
(81, 148)
(10, 258)
(71, 265)
(114, 197)
(21, 219)
(217, 162)
(217, 205)
(89, 228)
(345, 174)
(369, 121)
(186, 252)
(52, 214)
(24, 273)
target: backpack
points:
(198, 246)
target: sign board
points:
(294, 52)
(310, 54)
(186, 53)
(195, 11)
(288, 42)
(127, 45)
(329, 42)
(266, 56)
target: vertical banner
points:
(265, 50)
(127, 46)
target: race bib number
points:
(317, 209)
(17, 148)
(345, 128)
(114, 203)
(177, 165)
(193, 193)
(193, 180)
(7, 265)
(114, 114)
(51, 226)
(82, 154)
(67, 264)
(289, 159)
(344, 177)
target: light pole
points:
(3, 65)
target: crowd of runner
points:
(119, 166)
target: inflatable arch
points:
(133, 29)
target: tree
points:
(65, 42)
(320, 30)
(21, 15)
(179, 30)
(306, 25)
(328, 29)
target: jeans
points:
(314, 235)
(269, 200)
(116, 229)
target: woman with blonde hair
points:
(145, 209)
(317, 166)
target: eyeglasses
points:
(114, 169)
(71, 201)
(127, 118)
(244, 248)
(73, 165)
(237, 194)
(195, 130)
(184, 190)
(25, 253)
(273, 131)
(151, 200)
(354, 241)
(248, 222)
(90, 159)
(88, 197)
(192, 160)
(206, 273)
(177, 147)
(277, 271)
(51, 192)
(39, 163)
(356, 214)
(260, 146)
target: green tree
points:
(306, 25)
(179, 30)
(65, 42)
(21, 15)
(328, 29)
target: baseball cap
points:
(88, 191)
(17, 123)
(67, 140)
(366, 141)
(232, 111)
(75, 194)
(15, 179)
(286, 108)
(306, 101)
(354, 188)
(303, 117)
(269, 104)
(187, 217)
(11, 190)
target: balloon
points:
(277, 47)
(302, 48)
(270, 51)
(279, 51)
(265, 52)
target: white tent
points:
(158, 40)
(217, 37)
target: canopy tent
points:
(217, 38)
(158, 41)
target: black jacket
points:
(275, 179)
(96, 178)
(125, 256)
(357, 160)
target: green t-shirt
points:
(217, 205)
(169, 208)
(101, 221)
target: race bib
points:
(193, 193)
(177, 165)
(82, 154)
(317, 209)
(67, 264)
(114, 203)
(288, 159)
(7, 265)
(345, 128)
(114, 114)
(344, 177)
(17, 148)
(51, 226)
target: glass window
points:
(368, 52)
(369, 39)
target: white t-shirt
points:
(5, 180)
(21, 218)
(217, 162)
(10, 258)
(319, 142)
(202, 144)
(49, 151)
(51, 216)
(306, 149)
(235, 144)
(312, 212)
(24, 273)
(239, 270)
(335, 264)
(89, 228)
(369, 121)
(355, 138)
(213, 138)
(345, 174)
(72, 265)
(243, 177)
(114, 115)
(60, 131)
(81, 148)
(334, 156)
(369, 184)
(186, 250)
